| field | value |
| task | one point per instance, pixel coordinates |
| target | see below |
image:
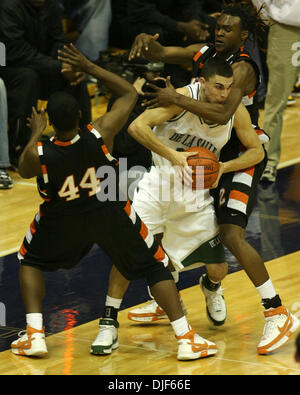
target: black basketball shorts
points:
(54, 242)
(236, 194)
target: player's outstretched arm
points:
(149, 47)
(254, 152)
(29, 163)
(112, 122)
(213, 112)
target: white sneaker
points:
(215, 304)
(151, 312)
(269, 174)
(30, 343)
(279, 327)
(107, 338)
(193, 346)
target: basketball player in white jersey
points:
(187, 227)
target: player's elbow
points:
(24, 172)
(134, 129)
(259, 154)
(224, 117)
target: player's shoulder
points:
(243, 70)
(184, 90)
(91, 132)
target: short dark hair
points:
(216, 66)
(63, 110)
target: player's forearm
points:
(212, 112)
(145, 136)
(249, 158)
(117, 86)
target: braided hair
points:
(250, 17)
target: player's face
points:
(229, 35)
(37, 3)
(216, 88)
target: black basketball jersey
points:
(73, 171)
(233, 148)
(209, 51)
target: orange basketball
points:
(208, 167)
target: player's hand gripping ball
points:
(205, 167)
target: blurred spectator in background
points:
(211, 6)
(5, 179)
(176, 21)
(283, 67)
(32, 33)
(92, 19)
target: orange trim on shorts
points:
(23, 250)
(44, 169)
(159, 255)
(240, 196)
(244, 54)
(32, 228)
(144, 230)
(252, 94)
(127, 208)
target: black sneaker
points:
(5, 180)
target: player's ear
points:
(244, 35)
(202, 81)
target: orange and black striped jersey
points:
(209, 51)
(77, 174)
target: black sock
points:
(210, 285)
(111, 312)
(271, 303)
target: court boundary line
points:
(288, 163)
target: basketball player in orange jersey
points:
(74, 216)
(185, 224)
(236, 191)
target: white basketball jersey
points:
(189, 130)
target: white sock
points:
(35, 320)
(214, 282)
(266, 290)
(180, 326)
(113, 302)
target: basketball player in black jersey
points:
(74, 215)
(235, 194)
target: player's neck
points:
(66, 136)
(226, 54)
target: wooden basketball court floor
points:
(75, 299)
